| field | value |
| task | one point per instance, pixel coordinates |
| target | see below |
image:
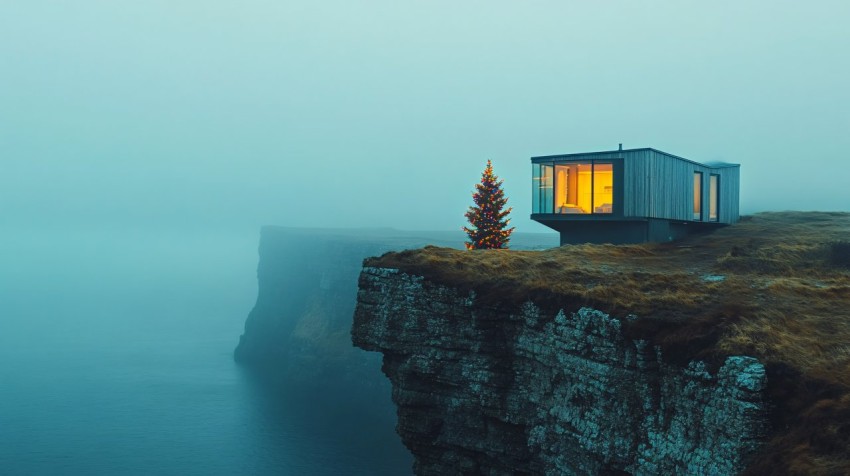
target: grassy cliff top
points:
(775, 286)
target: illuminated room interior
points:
(584, 188)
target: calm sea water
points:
(116, 358)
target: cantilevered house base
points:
(631, 196)
(621, 231)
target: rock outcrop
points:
(500, 390)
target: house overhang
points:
(620, 230)
(564, 218)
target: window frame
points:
(549, 209)
(698, 215)
(539, 190)
(714, 184)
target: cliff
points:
(307, 286)
(721, 354)
(297, 348)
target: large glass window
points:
(697, 196)
(573, 188)
(563, 176)
(713, 197)
(603, 188)
(535, 188)
(542, 187)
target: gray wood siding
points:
(729, 193)
(730, 188)
(636, 183)
(670, 182)
(671, 195)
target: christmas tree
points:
(489, 223)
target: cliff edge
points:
(720, 354)
(299, 327)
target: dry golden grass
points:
(782, 299)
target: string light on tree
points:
(489, 222)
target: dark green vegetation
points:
(775, 286)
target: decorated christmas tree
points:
(488, 219)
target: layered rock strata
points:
(502, 390)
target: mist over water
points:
(116, 358)
(144, 144)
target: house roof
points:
(642, 149)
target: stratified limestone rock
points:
(480, 390)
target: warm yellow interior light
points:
(584, 188)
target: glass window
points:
(603, 188)
(563, 176)
(584, 187)
(573, 188)
(541, 186)
(535, 188)
(713, 198)
(697, 195)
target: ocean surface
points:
(116, 359)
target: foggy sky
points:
(171, 113)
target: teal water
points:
(116, 358)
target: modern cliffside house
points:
(631, 196)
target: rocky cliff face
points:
(485, 389)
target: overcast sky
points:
(169, 113)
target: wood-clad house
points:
(631, 196)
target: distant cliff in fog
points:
(300, 325)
